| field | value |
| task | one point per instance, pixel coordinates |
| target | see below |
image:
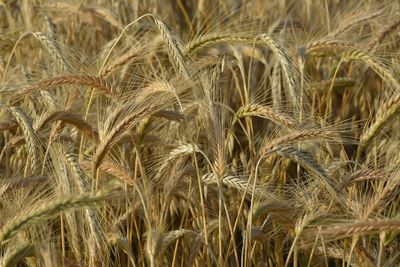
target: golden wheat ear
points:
(48, 210)
(30, 136)
(115, 133)
(95, 82)
(199, 133)
(13, 256)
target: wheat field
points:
(199, 133)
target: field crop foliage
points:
(199, 133)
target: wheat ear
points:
(328, 47)
(374, 64)
(384, 34)
(92, 215)
(233, 181)
(336, 83)
(53, 48)
(292, 138)
(30, 136)
(49, 210)
(307, 161)
(345, 230)
(115, 133)
(122, 60)
(290, 70)
(73, 119)
(113, 169)
(265, 112)
(384, 116)
(13, 256)
(207, 40)
(51, 27)
(365, 175)
(349, 24)
(352, 54)
(99, 83)
(174, 46)
(181, 150)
